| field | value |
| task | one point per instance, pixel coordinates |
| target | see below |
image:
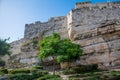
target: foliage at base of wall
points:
(81, 69)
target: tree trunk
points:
(68, 64)
(53, 66)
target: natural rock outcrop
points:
(95, 27)
(97, 30)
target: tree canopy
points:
(62, 50)
(70, 51)
(49, 46)
(4, 47)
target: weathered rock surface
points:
(95, 27)
(98, 32)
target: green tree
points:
(4, 49)
(63, 50)
(70, 52)
(49, 46)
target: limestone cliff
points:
(95, 27)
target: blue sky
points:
(14, 14)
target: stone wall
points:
(97, 30)
(24, 51)
(55, 24)
(95, 27)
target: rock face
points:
(98, 31)
(95, 27)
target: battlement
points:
(32, 24)
(83, 4)
(89, 4)
(52, 19)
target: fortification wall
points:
(97, 30)
(85, 19)
(55, 24)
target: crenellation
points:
(83, 4)
(99, 5)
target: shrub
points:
(78, 69)
(42, 78)
(33, 70)
(91, 78)
(92, 67)
(4, 70)
(81, 69)
(49, 77)
(38, 67)
(115, 72)
(66, 72)
(15, 71)
(43, 72)
(24, 76)
(36, 75)
(20, 76)
(1, 73)
(2, 63)
(84, 68)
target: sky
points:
(14, 14)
